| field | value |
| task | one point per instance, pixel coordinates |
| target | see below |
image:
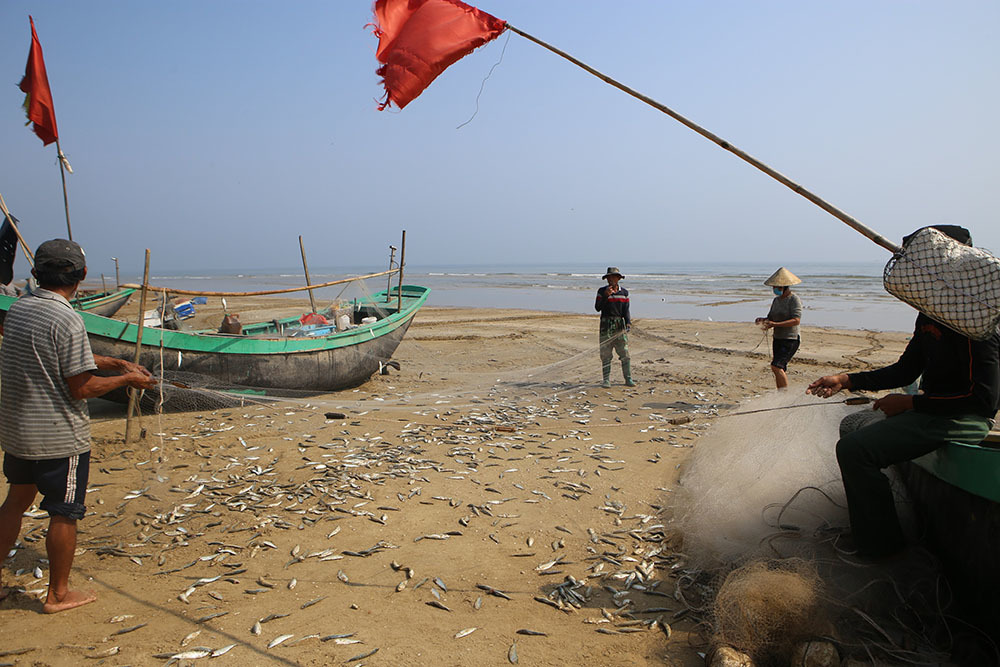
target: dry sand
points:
(495, 429)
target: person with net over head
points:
(958, 400)
(783, 318)
(46, 375)
(612, 304)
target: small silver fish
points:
(465, 633)
(222, 651)
(278, 640)
(512, 654)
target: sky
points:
(215, 133)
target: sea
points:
(843, 295)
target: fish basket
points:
(955, 284)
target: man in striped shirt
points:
(46, 375)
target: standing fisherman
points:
(612, 304)
(784, 317)
(46, 375)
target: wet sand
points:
(491, 466)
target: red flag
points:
(37, 95)
(419, 39)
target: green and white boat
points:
(278, 358)
(105, 304)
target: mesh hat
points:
(782, 278)
(612, 271)
(60, 256)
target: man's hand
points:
(129, 367)
(140, 379)
(828, 385)
(894, 404)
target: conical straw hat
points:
(782, 278)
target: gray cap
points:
(612, 271)
(60, 256)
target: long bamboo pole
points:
(781, 178)
(133, 393)
(402, 262)
(289, 290)
(305, 268)
(62, 172)
(24, 245)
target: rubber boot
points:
(606, 370)
(627, 372)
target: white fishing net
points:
(948, 281)
(754, 475)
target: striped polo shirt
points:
(44, 342)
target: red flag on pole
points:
(419, 39)
(37, 95)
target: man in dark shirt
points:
(960, 395)
(612, 304)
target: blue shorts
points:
(783, 350)
(62, 482)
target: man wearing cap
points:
(46, 375)
(958, 400)
(612, 304)
(784, 318)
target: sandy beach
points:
(459, 494)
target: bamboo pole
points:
(402, 262)
(781, 178)
(62, 172)
(388, 281)
(133, 393)
(288, 290)
(118, 282)
(24, 245)
(305, 268)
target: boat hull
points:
(105, 305)
(265, 362)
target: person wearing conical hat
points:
(612, 304)
(783, 318)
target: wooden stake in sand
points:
(305, 268)
(402, 261)
(133, 393)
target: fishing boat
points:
(281, 357)
(956, 490)
(105, 303)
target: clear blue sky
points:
(214, 133)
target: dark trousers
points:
(863, 454)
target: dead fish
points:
(292, 583)
(256, 629)
(532, 633)
(272, 617)
(312, 602)
(209, 617)
(342, 636)
(512, 654)
(194, 654)
(187, 640)
(125, 631)
(437, 604)
(440, 584)
(261, 581)
(278, 640)
(222, 651)
(119, 619)
(400, 586)
(478, 603)
(361, 656)
(465, 633)
(342, 576)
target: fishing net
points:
(767, 607)
(753, 474)
(948, 281)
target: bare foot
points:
(70, 600)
